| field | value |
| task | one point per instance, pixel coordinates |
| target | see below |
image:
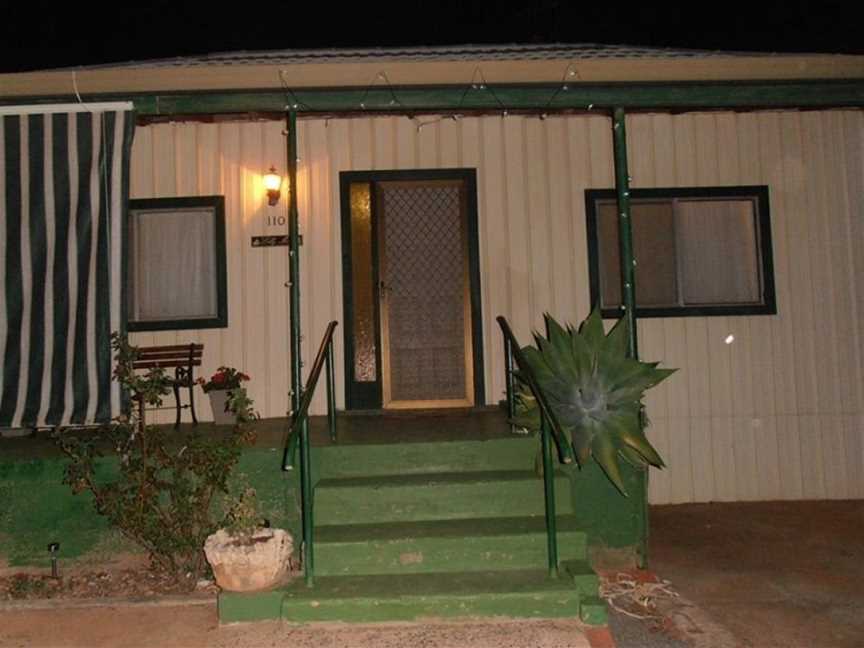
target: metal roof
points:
(555, 51)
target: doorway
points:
(411, 289)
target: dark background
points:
(40, 35)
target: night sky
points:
(41, 35)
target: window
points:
(698, 251)
(176, 264)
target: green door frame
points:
(369, 395)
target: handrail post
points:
(509, 381)
(549, 492)
(306, 498)
(331, 392)
(298, 432)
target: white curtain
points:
(174, 265)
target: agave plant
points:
(594, 392)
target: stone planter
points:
(249, 566)
(218, 398)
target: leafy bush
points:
(243, 514)
(164, 496)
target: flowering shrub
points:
(168, 485)
(224, 378)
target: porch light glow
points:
(273, 185)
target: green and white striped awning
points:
(64, 187)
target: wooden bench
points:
(182, 358)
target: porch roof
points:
(321, 75)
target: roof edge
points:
(430, 73)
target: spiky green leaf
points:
(616, 339)
(631, 434)
(557, 336)
(592, 330)
(581, 438)
(632, 457)
(606, 454)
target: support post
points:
(628, 280)
(549, 493)
(625, 230)
(294, 334)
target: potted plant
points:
(595, 393)
(221, 383)
(246, 555)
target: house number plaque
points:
(275, 240)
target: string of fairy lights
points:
(477, 84)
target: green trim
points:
(368, 395)
(217, 204)
(757, 193)
(534, 97)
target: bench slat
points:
(165, 363)
(168, 355)
(171, 347)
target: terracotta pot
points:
(259, 564)
(218, 399)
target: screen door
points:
(424, 293)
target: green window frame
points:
(699, 251)
(209, 214)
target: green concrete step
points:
(359, 460)
(435, 496)
(378, 598)
(472, 544)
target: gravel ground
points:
(196, 626)
(633, 633)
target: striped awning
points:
(64, 187)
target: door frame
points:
(369, 395)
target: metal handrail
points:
(298, 434)
(550, 430)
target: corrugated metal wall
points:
(779, 413)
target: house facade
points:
(506, 147)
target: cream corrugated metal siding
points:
(776, 414)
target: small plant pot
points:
(218, 400)
(260, 563)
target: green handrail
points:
(298, 434)
(550, 430)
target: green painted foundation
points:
(436, 524)
(37, 508)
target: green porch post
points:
(625, 238)
(296, 359)
(628, 279)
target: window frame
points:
(757, 193)
(179, 204)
